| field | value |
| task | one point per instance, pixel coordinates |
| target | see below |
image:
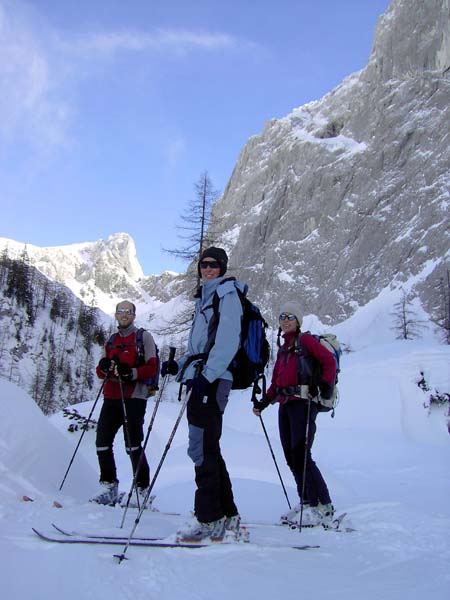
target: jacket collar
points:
(209, 287)
(289, 338)
(127, 331)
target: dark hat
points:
(219, 255)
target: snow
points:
(231, 236)
(284, 276)
(306, 127)
(385, 458)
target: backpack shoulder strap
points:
(140, 348)
(307, 365)
(216, 297)
(140, 336)
(111, 340)
(299, 348)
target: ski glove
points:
(125, 372)
(261, 405)
(105, 365)
(326, 390)
(199, 386)
(169, 367)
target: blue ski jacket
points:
(228, 333)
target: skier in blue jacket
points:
(210, 381)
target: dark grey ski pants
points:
(110, 421)
(214, 494)
(292, 417)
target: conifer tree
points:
(445, 298)
(197, 233)
(197, 229)
(406, 325)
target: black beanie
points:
(218, 254)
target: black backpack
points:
(253, 354)
(153, 382)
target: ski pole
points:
(308, 414)
(255, 386)
(150, 427)
(274, 460)
(121, 557)
(82, 434)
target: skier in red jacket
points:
(125, 401)
(297, 395)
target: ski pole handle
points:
(172, 351)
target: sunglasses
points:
(124, 311)
(213, 264)
(287, 316)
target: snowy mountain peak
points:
(121, 249)
(94, 271)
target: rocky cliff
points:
(350, 194)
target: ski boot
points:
(108, 495)
(199, 531)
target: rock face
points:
(164, 287)
(350, 194)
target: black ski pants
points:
(292, 420)
(214, 494)
(110, 421)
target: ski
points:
(101, 537)
(120, 541)
(336, 525)
(112, 541)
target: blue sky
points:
(111, 110)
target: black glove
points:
(169, 367)
(199, 386)
(105, 365)
(326, 390)
(125, 372)
(261, 405)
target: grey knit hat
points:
(293, 308)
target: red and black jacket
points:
(124, 348)
(286, 372)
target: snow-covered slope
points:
(385, 458)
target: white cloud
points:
(29, 105)
(41, 69)
(107, 44)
